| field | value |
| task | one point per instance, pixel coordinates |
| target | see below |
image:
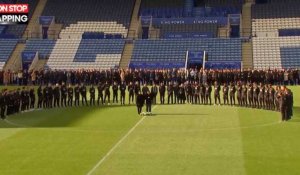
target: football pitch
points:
(176, 140)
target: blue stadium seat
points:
(43, 46)
(7, 46)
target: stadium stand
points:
(267, 52)
(275, 27)
(211, 29)
(71, 54)
(6, 48)
(77, 30)
(43, 46)
(107, 10)
(164, 50)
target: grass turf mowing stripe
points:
(117, 144)
(158, 146)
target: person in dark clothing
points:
(170, 93)
(107, 93)
(189, 93)
(176, 89)
(40, 97)
(255, 96)
(83, 95)
(250, 95)
(208, 90)
(283, 104)
(162, 91)
(45, 97)
(100, 94)
(137, 88)
(217, 94)
(225, 94)
(290, 103)
(261, 96)
(140, 102)
(202, 93)
(2, 105)
(115, 92)
(196, 93)
(32, 98)
(56, 94)
(271, 102)
(145, 90)
(181, 94)
(50, 96)
(77, 95)
(232, 91)
(131, 92)
(70, 95)
(244, 96)
(92, 95)
(266, 97)
(122, 92)
(64, 93)
(148, 102)
(239, 94)
(154, 91)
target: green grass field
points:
(178, 139)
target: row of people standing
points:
(49, 96)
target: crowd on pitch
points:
(252, 95)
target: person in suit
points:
(140, 102)
(130, 89)
(232, 92)
(148, 99)
(70, 95)
(92, 95)
(225, 94)
(162, 91)
(122, 92)
(77, 95)
(83, 95)
(154, 91)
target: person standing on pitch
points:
(139, 102)
(225, 94)
(83, 95)
(232, 91)
(64, 93)
(130, 92)
(100, 94)
(70, 95)
(40, 97)
(122, 92)
(92, 95)
(56, 95)
(154, 91)
(115, 92)
(77, 95)
(145, 89)
(32, 98)
(148, 102)
(107, 93)
(170, 93)
(217, 94)
(162, 91)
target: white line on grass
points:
(117, 144)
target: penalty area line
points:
(116, 145)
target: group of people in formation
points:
(251, 95)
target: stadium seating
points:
(290, 56)
(86, 54)
(6, 48)
(75, 31)
(175, 50)
(42, 46)
(204, 28)
(69, 12)
(267, 52)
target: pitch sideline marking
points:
(117, 144)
